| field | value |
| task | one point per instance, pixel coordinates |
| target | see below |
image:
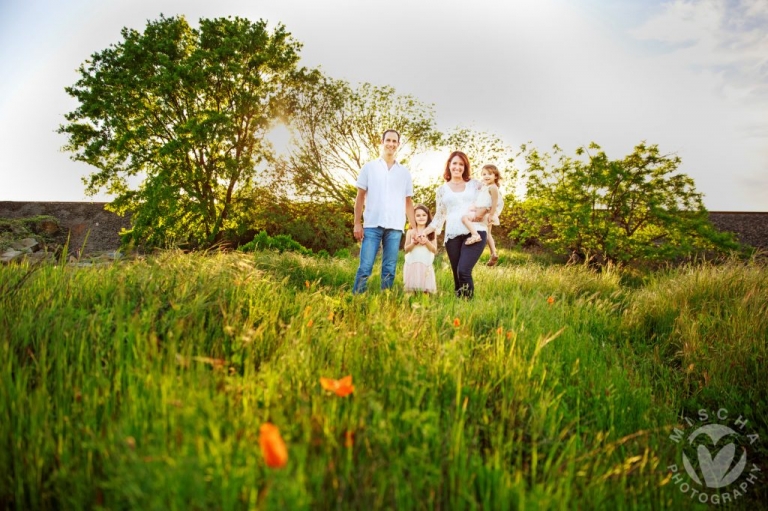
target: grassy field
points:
(144, 384)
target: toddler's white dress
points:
(484, 200)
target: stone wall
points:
(81, 218)
(751, 228)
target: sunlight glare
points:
(280, 137)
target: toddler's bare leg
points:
(491, 243)
(475, 237)
(494, 256)
(467, 221)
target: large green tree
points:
(181, 111)
(638, 208)
(483, 147)
(337, 128)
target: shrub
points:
(315, 225)
(281, 243)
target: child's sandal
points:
(472, 240)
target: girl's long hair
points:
(431, 235)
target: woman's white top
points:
(451, 206)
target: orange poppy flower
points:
(341, 388)
(499, 331)
(306, 284)
(272, 446)
(456, 322)
(310, 323)
(551, 300)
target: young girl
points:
(418, 272)
(487, 201)
(491, 178)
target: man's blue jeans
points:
(373, 237)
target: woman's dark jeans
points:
(463, 259)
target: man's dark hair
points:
(384, 135)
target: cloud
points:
(720, 46)
(726, 38)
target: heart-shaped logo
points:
(717, 471)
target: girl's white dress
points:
(418, 271)
(451, 206)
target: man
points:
(386, 188)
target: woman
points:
(454, 199)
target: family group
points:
(466, 207)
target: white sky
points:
(690, 76)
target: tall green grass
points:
(142, 385)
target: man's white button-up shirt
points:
(386, 190)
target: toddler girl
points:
(488, 199)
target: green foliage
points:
(338, 128)
(425, 194)
(183, 111)
(280, 242)
(616, 211)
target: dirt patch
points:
(78, 220)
